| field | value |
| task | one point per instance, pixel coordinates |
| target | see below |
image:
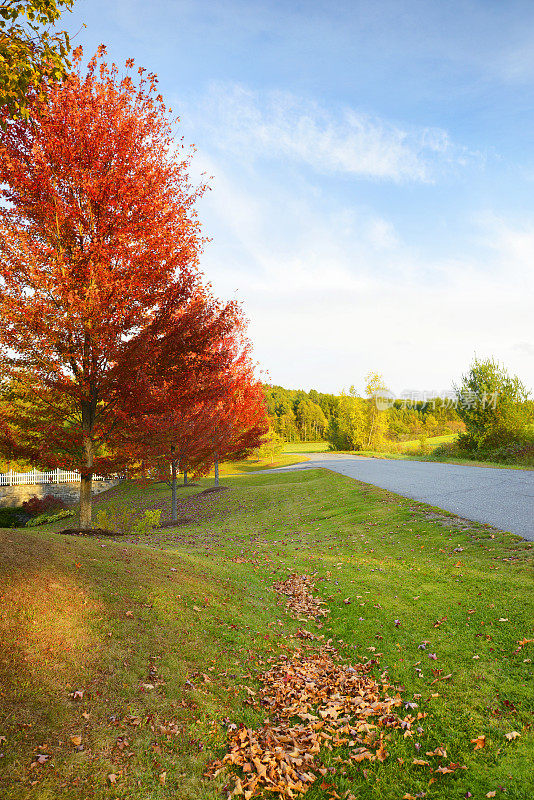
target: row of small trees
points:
(491, 411)
(113, 348)
(348, 421)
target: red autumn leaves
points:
(113, 348)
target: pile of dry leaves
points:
(300, 600)
(316, 703)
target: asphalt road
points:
(503, 498)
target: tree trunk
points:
(185, 476)
(373, 418)
(86, 470)
(174, 501)
(216, 467)
(86, 485)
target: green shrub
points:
(424, 448)
(494, 407)
(43, 519)
(147, 522)
(126, 520)
(519, 453)
(115, 518)
(448, 450)
(13, 517)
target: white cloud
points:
(331, 295)
(274, 125)
(331, 287)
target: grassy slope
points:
(198, 604)
(231, 468)
(431, 441)
(322, 447)
(306, 447)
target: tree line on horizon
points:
(349, 421)
(490, 411)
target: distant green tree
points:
(376, 418)
(310, 419)
(493, 405)
(298, 414)
(347, 430)
(31, 54)
(431, 424)
(287, 426)
(272, 446)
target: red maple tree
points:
(233, 426)
(99, 247)
(205, 403)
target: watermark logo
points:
(383, 399)
(424, 399)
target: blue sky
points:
(372, 199)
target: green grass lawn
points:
(431, 441)
(147, 649)
(306, 447)
(322, 447)
(231, 468)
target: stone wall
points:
(69, 492)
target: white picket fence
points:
(34, 476)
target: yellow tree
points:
(271, 446)
(378, 400)
(31, 52)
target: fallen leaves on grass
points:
(39, 760)
(479, 742)
(441, 678)
(439, 751)
(521, 643)
(302, 633)
(443, 770)
(512, 735)
(300, 601)
(334, 704)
